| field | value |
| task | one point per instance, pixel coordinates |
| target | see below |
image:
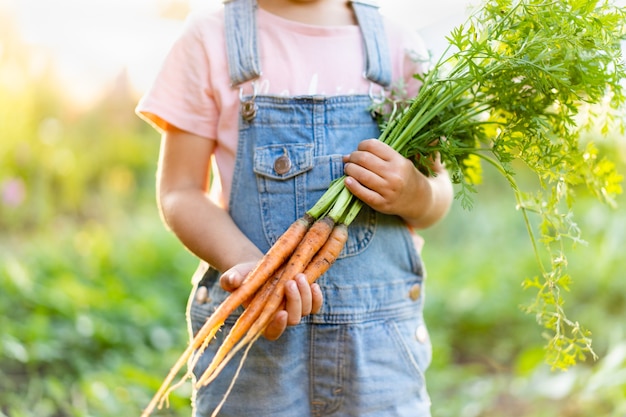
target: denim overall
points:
(364, 354)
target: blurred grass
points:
(94, 287)
(488, 354)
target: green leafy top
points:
(520, 81)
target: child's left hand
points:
(381, 177)
(390, 183)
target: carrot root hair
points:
(267, 267)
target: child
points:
(261, 105)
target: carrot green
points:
(520, 85)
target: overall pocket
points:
(290, 180)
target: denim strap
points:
(241, 40)
(377, 60)
(243, 55)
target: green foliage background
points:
(93, 287)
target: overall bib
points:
(364, 354)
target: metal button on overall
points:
(421, 334)
(282, 165)
(415, 291)
(202, 294)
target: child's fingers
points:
(366, 175)
(232, 279)
(366, 194)
(306, 295)
(277, 326)
(317, 298)
(302, 299)
(293, 303)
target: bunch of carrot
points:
(511, 90)
(308, 246)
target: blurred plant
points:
(487, 359)
(84, 318)
(57, 160)
(93, 287)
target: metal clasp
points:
(378, 100)
(248, 106)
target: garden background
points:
(93, 287)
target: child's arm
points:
(390, 183)
(207, 230)
(182, 185)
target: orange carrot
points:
(313, 240)
(320, 263)
(317, 266)
(276, 256)
(328, 254)
(264, 270)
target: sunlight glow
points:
(93, 43)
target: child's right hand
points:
(302, 299)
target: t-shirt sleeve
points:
(181, 95)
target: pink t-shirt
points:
(193, 91)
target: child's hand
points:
(302, 299)
(381, 177)
(390, 183)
